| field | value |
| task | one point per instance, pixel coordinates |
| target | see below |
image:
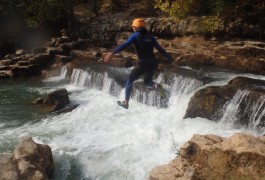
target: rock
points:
(38, 50)
(3, 68)
(23, 63)
(41, 59)
(67, 47)
(150, 96)
(8, 169)
(54, 50)
(62, 59)
(33, 160)
(210, 102)
(67, 109)
(58, 99)
(5, 74)
(121, 61)
(28, 161)
(197, 61)
(84, 55)
(20, 52)
(213, 157)
(6, 62)
(40, 100)
(16, 59)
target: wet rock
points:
(40, 100)
(214, 157)
(67, 109)
(57, 99)
(150, 96)
(210, 102)
(28, 161)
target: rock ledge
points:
(214, 157)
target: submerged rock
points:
(240, 156)
(28, 161)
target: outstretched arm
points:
(120, 48)
(162, 51)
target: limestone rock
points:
(20, 52)
(33, 160)
(28, 161)
(8, 170)
(213, 157)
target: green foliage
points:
(45, 11)
(36, 12)
(212, 23)
(178, 9)
(218, 6)
(183, 8)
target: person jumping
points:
(144, 44)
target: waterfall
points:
(175, 89)
(62, 75)
(95, 80)
(240, 111)
(258, 112)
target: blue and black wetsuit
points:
(144, 45)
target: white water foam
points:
(107, 142)
(110, 142)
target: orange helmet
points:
(139, 22)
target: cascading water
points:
(100, 140)
(239, 106)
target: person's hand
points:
(108, 57)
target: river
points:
(100, 140)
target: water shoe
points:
(123, 104)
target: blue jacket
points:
(144, 45)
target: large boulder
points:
(28, 161)
(246, 93)
(57, 99)
(240, 156)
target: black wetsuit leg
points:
(134, 75)
(149, 73)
